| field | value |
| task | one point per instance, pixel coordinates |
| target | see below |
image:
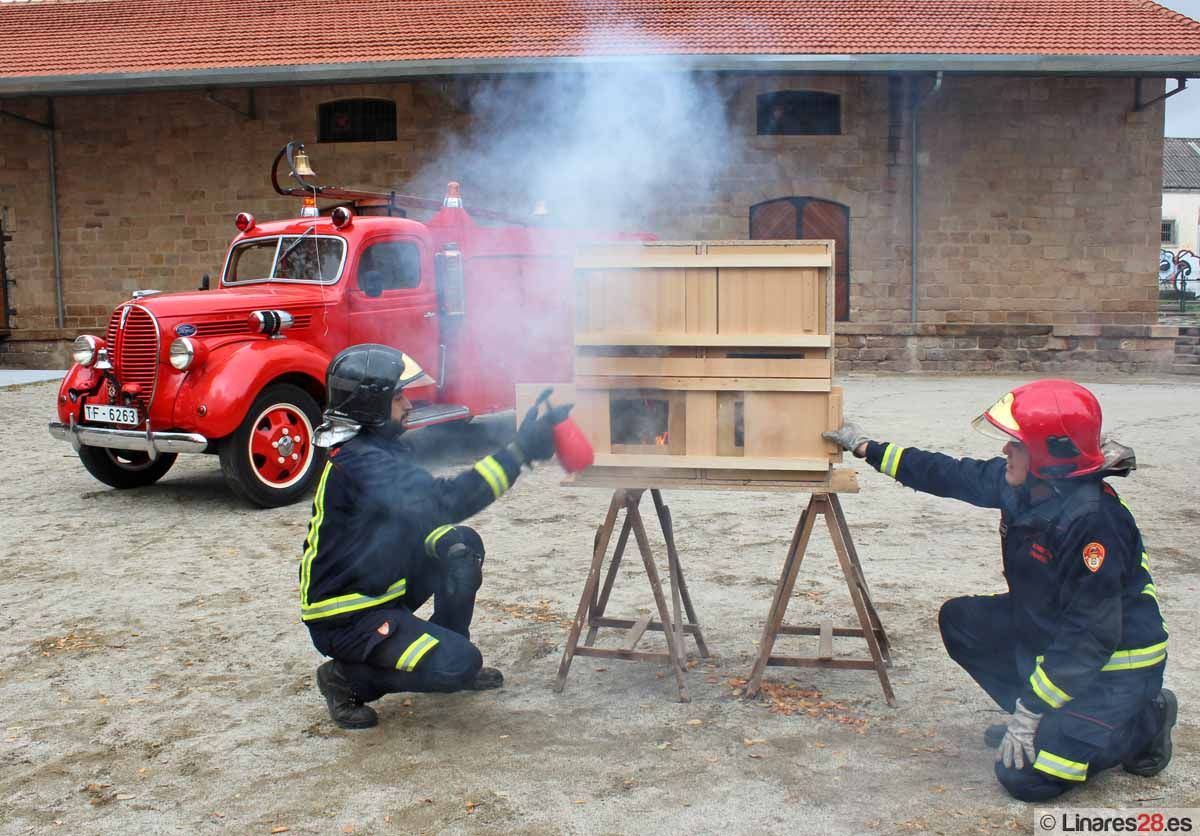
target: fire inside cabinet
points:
(706, 362)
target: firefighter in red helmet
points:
(1076, 648)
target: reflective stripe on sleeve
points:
(312, 541)
(414, 652)
(434, 536)
(352, 602)
(891, 460)
(1053, 696)
(1149, 589)
(1141, 657)
(493, 473)
(1060, 767)
(1146, 561)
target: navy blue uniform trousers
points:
(1110, 723)
(388, 649)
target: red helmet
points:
(1057, 421)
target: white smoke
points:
(604, 147)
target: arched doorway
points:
(789, 218)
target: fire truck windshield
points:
(287, 258)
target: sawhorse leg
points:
(870, 629)
(594, 600)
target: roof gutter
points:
(1167, 66)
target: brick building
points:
(1021, 152)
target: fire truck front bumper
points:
(144, 440)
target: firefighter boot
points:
(345, 709)
(486, 679)
(993, 736)
(1155, 757)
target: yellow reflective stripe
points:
(434, 536)
(1126, 504)
(352, 602)
(493, 474)
(1047, 690)
(1060, 767)
(1146, 561)
(313, 538)
(891, 460)
(413, 653)
(1141, 657)
(1149, 589)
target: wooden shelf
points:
(744, 341)
(710, 462)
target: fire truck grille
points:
(133, 351)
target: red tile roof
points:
(98, 37)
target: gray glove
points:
(1017, 748)
(848, 436)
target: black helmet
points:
(362, 380)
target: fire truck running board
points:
(426, 416)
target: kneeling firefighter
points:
(1076, 648)
(384, 538)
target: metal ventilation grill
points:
(133, 350)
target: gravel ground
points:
(155, 677)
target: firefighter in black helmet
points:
(385, 537)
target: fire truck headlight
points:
(85, 348)
(183, 353)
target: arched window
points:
(357, 120)
(791, 218)
(799, 113)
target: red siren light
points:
(341, 217)
(453, 198)
(244, 221)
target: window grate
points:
(799, 113)
(357, 120)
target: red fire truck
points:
(239, 370)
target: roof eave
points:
(1166, 66)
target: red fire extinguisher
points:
(574, 450)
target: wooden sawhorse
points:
(594, 601)
(827, 505)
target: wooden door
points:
(808, 217)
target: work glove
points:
(1017, 748)
(849, 436)
(535, 436)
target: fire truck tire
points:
(124, 469)
(270, 459)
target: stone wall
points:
(1039, 196)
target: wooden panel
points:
(840, 480)
(786, 424)
(745, 384)
(650, 260)
(624, 300)
(835, 421)
(764, 340)
(701, 290)
(591, 414)
(528, 392)
(701, 432)
(702, 367)
(711, 462)
(806, 247)
(764, 301)
(729, 411)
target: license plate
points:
(110, 414)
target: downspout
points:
(915, 178)
(58, 274)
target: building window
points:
(799, 113)
(357, 120)
(1168, 232)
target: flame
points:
(661, 440)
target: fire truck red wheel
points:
(125, 469)
(270, 459)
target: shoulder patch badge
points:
(1093, 556)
